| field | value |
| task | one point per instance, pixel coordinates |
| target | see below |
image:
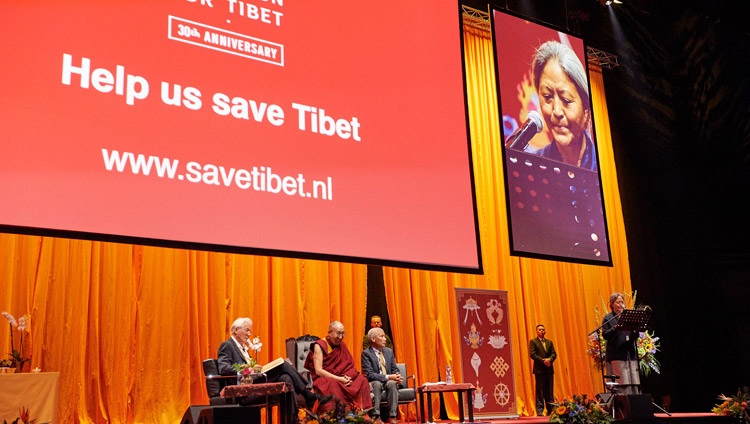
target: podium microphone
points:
(519, 140)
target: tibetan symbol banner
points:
(486, 351)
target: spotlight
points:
(609, 2)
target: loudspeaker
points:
(634, 408)
(191, 414)
(218, 414)
(605, 398)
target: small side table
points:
(459, 388)
(271, 393)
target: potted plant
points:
(16, 357)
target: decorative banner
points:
(486, 351)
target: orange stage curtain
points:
(127, 326)
(561, 296)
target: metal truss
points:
(481, 20)
(602, 58)
(476, 18)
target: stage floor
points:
(660, 418)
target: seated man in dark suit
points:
(379, 366)
(235, 351)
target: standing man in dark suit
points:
(542, 352)
(379, 366)
(235, 351)
(376, 321)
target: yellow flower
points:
(561, 410)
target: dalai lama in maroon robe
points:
(332, 369)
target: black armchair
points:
(216, 382)
(407, 394)
(297, 350)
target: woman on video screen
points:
(560, 81)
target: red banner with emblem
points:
(486, 351)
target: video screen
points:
(291, 128)
(553, 188)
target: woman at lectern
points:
(561, 83)
(621, 357)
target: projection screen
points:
(552, 181)
(313, 129)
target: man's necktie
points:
(544, 345)
(382, 363)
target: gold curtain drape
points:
(562, 296)
(127, 326)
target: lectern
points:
(632, 320)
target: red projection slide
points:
(314, 129)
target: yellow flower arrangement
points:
(596, 348)
(579, 410)
(735, 406)
(647, 346)
(341, 413)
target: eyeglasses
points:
(338, 333)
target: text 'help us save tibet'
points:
(134, 87)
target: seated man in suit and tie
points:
(235, 351)
(379, 366)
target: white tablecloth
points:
(37, 392)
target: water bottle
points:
(448, 375)
(239, 378)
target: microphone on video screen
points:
(520, 139)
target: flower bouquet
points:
(596, 348)
(245, 371)
(579, 409)
(341, 413)
(735, 406)
(647, 346)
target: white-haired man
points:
(379, 366)
(235, 351)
